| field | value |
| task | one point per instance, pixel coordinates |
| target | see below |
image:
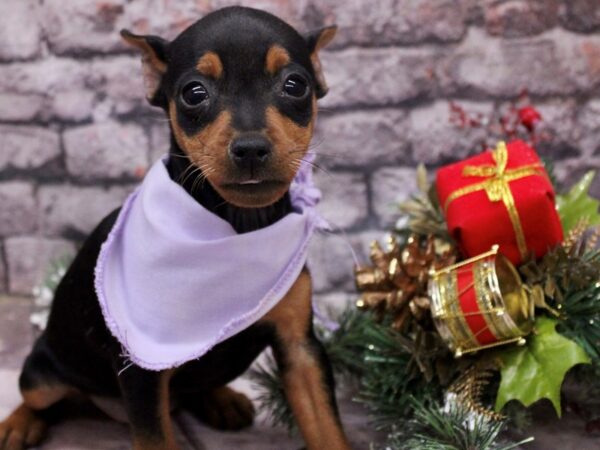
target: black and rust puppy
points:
(242, 84)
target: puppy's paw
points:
(22, 429)
(224, 409)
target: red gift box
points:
(501, 197)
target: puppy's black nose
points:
(250, 150)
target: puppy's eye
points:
(295, 86)
(194, 93)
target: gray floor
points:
(93, 431)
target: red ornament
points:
(529, 117)
(501, 197)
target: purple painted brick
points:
(166, 18)
(362, 138)
(391, 21)
(120, 81)
(589, 128)
(29, 258)
(93, 26)
(82, 25)
(73, 105)
(3, 271)
(504, 68)
(382, 76)
(46, 77)
(520, 18)
(66, 208)
(290, 11)
(16, 333)
(25, 147)
(435, 139)
(20, 32)
(18, 214)
(390, 186)
(106, 150)
(344, 200)
(20, 106)
(331, 262)
(559, 129)
(581, 15)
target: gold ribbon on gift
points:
(497, 187)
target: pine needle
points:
(450, 428)
(266, 379)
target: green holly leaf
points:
(537, 369)
(577, 204)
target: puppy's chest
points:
(226, 361)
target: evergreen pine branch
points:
(345, 346)
(423, 211)
(581, 319)
(570, 277)
(381, 360)
(266, 379)
(450, 428)
(518, 416)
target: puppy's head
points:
(239, 87)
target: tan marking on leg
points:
(165, 409)
(277, 58)
(303, 379)
(292, 313)
(210, 65)
(22, 429)
(168, 440)
(43, 397)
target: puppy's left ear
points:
(316, 40)
(154, 63)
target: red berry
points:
(529, 116)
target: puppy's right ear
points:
(154, 63)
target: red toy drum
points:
(480, 303)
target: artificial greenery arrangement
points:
(479, 304)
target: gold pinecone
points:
(396, 283)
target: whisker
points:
(189, 167)
(298, 162)
(318, 167)
(196, 169)
(201, 179)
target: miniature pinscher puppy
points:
(239, 88)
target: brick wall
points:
(76, 133)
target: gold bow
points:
(497, 187)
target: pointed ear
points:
(154, 62)
(316, 40)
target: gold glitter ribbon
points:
(497, 187)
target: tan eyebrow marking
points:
(277, 57)
(210, 65)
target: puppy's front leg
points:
(307, 375)
(146, 397)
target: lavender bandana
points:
(173, 279)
